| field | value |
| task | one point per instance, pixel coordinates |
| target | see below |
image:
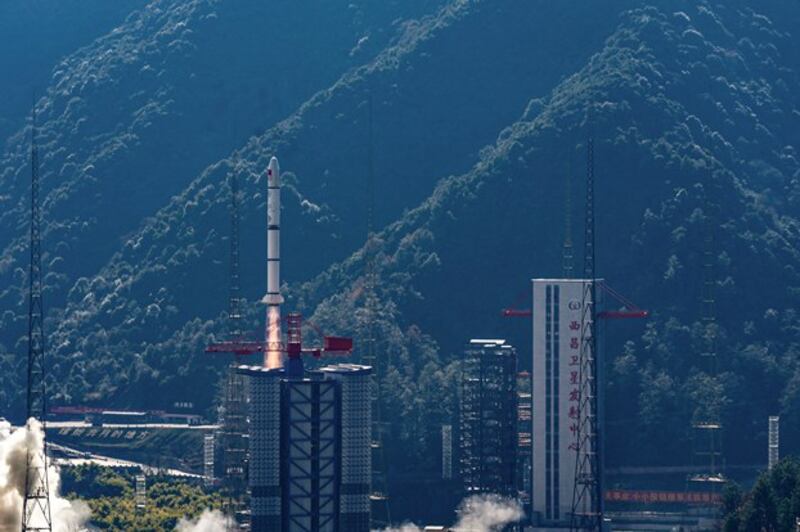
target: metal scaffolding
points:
(587, 498)
(379, 484)
(208, 460)
(141, 493)
(774, 441)
(488, 431)
(707, 420)
(524, 439)
(567, 261)
(36, 513)
(447, 452)
(234, 433)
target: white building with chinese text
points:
(557, 323)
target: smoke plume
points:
(479, 513)
(67, 516)
(487, 513)
(208, 521)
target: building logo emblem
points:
(575, 304)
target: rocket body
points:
(273, 356)
(273, 296)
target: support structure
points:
(524, 439)
(141, 493)
(706, 421)
(36, 515)
(208, 460)
(234, 286)
(587, 499)
(447, 452)
(774, 441)
(567, 260)
(488, 432)
(379, 497)
(234, 413)
(309, 447)
(310, 432)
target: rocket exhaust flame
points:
(273, 356)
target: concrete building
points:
(557, 323)
(355, 451)
(488, 428)
(309, 449)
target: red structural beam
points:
(337, 344)
(517, 313)
(629, 310)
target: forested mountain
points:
(129, 120)
(37, 35)
(480, 110)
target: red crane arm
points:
(629, 309)
(335, 345)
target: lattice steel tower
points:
(707, 422)
(379, 497)
(566, 251)
(587, 501)
(234, 421)
(234, 288)
(36, 514)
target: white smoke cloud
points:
(479, 513)
(208, 521)
(487, 513)
(67, 516)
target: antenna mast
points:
(234, 418)
(234, 301)
(379, 496)
(707, 423)
(36, 514)
(567, 254)
(587, 501)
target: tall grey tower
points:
(488, 429)
(36, 504)
(309, 448)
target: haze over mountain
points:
(37, 35)
(694, 110)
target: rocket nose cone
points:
(273, 172)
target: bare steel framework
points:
(234, 413)
(234, 288)
(36, 515)
(487, 419)
(587, 502)
(235, 404)
(706, 421)
(379, 496)
(566, 252)
(773, 448)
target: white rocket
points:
(273, 356)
